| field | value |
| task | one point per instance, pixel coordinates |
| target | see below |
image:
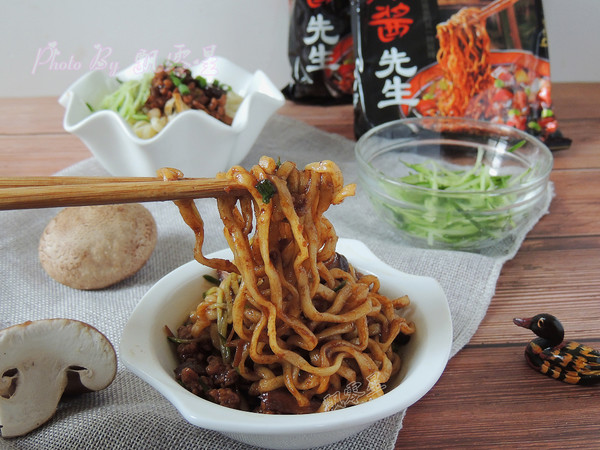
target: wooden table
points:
(487, 396)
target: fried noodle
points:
(464, 57)
(299, 317)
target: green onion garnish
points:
(339, 286)
(266, 189)
(211, 279)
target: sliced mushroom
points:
(37, 362)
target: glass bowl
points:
(454, 183)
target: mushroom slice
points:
(37, 361)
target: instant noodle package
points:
(481, 59)
(321, 51)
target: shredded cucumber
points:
(129, 99)
(453, 215)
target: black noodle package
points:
(320, 51)
(480, 59)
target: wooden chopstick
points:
(495, 7)
(44, 192)
(489, 10)
(6, 182)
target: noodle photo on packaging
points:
(484, 60)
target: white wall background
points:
(253, 33)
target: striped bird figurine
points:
(549, 354)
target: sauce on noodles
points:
(292, 327)
(464, 57)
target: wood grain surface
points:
(487, 397)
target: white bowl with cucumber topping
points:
(131, 137)
(454, 183)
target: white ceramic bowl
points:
(194, 142)
(144, 349)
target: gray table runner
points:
(131, 415)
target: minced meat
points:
(196, 93)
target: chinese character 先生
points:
(318, 56)
(394, 91)
(393, 61)
(317, 30)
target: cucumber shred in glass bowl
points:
(453, 183)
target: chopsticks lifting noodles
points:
(491, 9)
(50, 192)
(495, 7)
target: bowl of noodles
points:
(147, 352)
(201, 119)
(292, 337)
(454, 183)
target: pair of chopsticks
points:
(63, 191)
(491, 9)
(495, 7)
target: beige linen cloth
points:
(129, 414)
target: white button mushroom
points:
(93, 247)
(37, 360)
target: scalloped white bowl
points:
(145, 351)
(194, 142)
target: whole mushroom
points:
(41, 359)
(93, 247)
